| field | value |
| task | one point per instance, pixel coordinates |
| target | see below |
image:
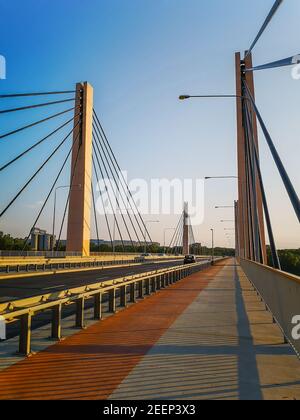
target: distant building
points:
(41, 240)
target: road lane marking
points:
(54, 287)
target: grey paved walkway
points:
(223, 346)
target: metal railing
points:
(34, 266)
(137, 286)
(63, 254)
(30, 265)
(280, 292)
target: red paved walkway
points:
(92, 363)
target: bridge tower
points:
(79, 218)
(186, 248)
(250, 218)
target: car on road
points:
(189, 259)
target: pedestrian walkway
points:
(207, 337)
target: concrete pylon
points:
(79, 218)
(186, 248)
(248, 208)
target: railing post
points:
(167, 279)
(141, 289)
(25, 335)
(153, 281)
(56, 323)
(123, 296)
(112, 301)
(98, 306)
(172, 277)
(158, 280)
(132, 293)
(80, 313)
(147, 287)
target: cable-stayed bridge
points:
(132, 326)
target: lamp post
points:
(145, 237)
(212, 247)
(54, 207)
(165, 231)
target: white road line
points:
(54, 287)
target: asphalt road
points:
(18, 288)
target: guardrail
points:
(53, 265)
(34, 266)
(281, 293)
(63, 254)
(137, 286)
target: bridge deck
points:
(206, 337)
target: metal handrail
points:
(280, 292)
(285, 274)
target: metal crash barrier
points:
(281, 293)
(24, 265)
(118, 291)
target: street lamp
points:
(221, 177)
(54, 207)
(146, 222)
(165, 231)
(184, 97)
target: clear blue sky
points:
(140, 55)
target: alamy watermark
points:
(2, 328)
(153, 197)
(296, 329)
(2, 67)
(296, 68)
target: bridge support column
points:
(79, 218)
(251, 232)
(186, 248)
